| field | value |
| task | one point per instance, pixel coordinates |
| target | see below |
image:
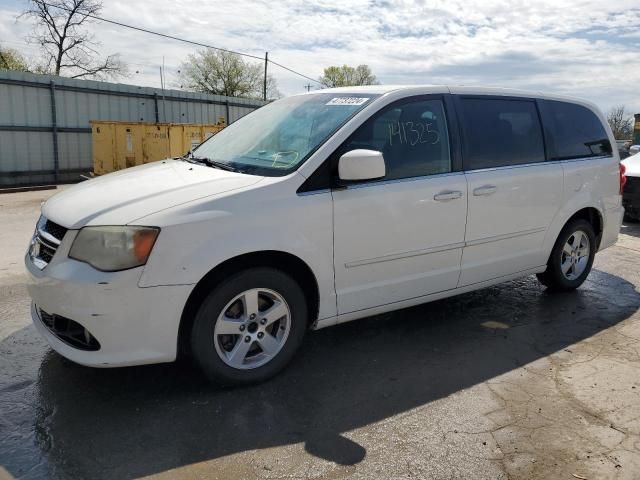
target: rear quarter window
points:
(574, 131)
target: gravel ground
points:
(507, 382)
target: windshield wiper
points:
(190, 157)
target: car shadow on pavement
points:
(630, 228)
(137, 421)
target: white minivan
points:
(319, 209)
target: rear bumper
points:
(611, 227)
(132, 325)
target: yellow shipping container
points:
(118, 145)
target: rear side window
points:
(574, 131)
(500, 132)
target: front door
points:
(400, 237)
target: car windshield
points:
(277, 138)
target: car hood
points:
(120, 198)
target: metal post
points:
(264, 89)
(164, 108)
(227, 107)
(155, 104)
(54, 131)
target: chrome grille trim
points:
(45, 242)
(48, 238)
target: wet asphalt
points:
(507, 382)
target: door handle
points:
(485, 190)
(447, 195)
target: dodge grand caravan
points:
(319, 209)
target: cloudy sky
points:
(583, 48)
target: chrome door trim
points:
(398, 180)
(314, 192)
(505, 236)
(401, 255)
(442, 248)
(538, 164)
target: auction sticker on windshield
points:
(347, 101)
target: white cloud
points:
(584, 48)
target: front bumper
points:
(132, 325)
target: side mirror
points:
(361, 165)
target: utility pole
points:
(308, 87)
(164, 110)
(264, 88)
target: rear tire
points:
(249, 327)
(571, 258)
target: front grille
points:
(46, 241)
(55, 230)
(46, 252)
(70, 332)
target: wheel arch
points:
(286, 262)
(588, 211)
(594, 217)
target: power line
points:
(297, 73)
(178, 39)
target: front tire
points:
(571, 258)
(249, 327)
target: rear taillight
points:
(623, 178)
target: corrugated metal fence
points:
(45, 136)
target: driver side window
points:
(412, 136)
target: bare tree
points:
(11, 59)
(346, 76)
(225, 73)
(69, 49)
(620, 122)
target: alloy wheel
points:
(575, 255)
(252, 328)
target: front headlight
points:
(114, 248)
